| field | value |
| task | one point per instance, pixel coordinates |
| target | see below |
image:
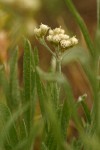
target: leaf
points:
(87, 112)
(34, 63)
(75, 53)
(36, 57)
(42, 97)
(4, 84)
(81, 100)
(72, 105)
(97, 43)
(36, 131)
(77, 144)
(14, 92)
(27, 80)
(81, 24)
(65, 117)
(49, 114)
(23, 131)
(9, 135)
(53, 93)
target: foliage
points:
(20, 126)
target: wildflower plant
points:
(20, 125)
(58, 39)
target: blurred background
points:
(18, 19)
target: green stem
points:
(59, 66)
(58, 70)
(98, 14)
(82, 25)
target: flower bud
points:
(56, 39)
(74, 40)
(51, 32)
(49, 38)
(64, 36)
(65, 43)
(44, 29)
(37, 32)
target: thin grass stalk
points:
(81, 24)
(98, 14)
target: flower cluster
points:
(56, 36)
(41, 31)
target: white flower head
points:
(51, 32)
(65, 43)
(41, 31)
(49, 38)
(56, 39)
(44, 28)
(74, 40)
(82, 97)
(37, 32)
(62, 31)
(64, 36)
(59, 31)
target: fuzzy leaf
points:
(27, 80)
(65, 117)
(36, 57)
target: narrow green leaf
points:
(27, 80)
(74, 54)
(36, 57)
(41, 95)
(13, 83)
(9, 135)
(81, 24)
(23, 131)
(96, 97)
(87, 112)
(52, 92)
(28, 143)
(65, 117)
(51, 142)
(34, 62)
(8, 132)
(55, 127)
(98, 14)
(81, 100)
(4, 84)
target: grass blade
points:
(81, 24)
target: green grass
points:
(20, 126)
